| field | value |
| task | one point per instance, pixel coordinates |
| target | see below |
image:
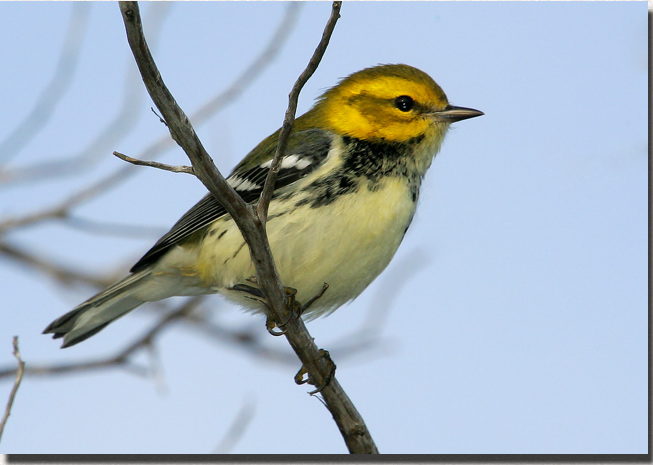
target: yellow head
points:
(390, 102)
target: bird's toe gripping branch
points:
(254, 293)
(299, 377)
(295, 308)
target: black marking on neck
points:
(365, 164)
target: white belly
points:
(346, 244)
(347, 251)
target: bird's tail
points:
(97, 312)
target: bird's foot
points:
(299, 377)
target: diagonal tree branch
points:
(349, 421)
(289, 119)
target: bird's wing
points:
(306, 150)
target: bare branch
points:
(14, 390)
(349, 421)
(177, 121)
(289, 119)
(218, 102)
(184, 134)
(156, 164)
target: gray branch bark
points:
(252, 226)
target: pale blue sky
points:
(523, 328)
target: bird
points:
(345, 195)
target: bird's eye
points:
(404, 103)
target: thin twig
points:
(156, 164)
(351, 424)
(19, 378)
(289, 119)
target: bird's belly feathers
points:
(346, 244)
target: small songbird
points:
(343, 200)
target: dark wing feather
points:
(310, 148)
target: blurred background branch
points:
(54, 91)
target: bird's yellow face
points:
(393, 102)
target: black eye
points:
(404, 103)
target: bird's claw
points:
(270, 325)
(295, 309)
(299, 377)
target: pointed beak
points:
(452, 114)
